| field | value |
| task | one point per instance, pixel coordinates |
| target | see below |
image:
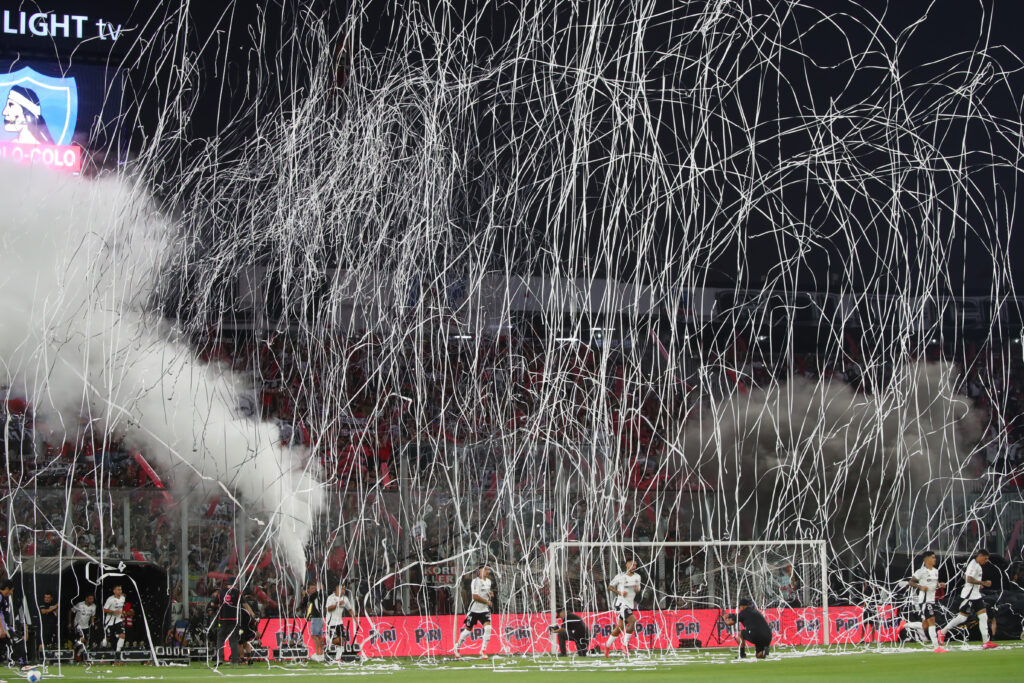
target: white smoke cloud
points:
(809, 458)
(79, 260)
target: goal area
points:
(688, 588)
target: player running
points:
(925, 581)
(970, 600)
(113, 619)
(83, 616)
(479, 611)
(625, 586)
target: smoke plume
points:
(819, 459)
(79, 264)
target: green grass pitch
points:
(910, 663)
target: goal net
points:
(688, 587)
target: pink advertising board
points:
(416, 636)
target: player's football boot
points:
(989, 645)
(607, 652)
(940, 649)
(483, 655)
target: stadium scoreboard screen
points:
(60, 81)
(45, 122)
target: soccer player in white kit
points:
(479, 611)
(83, 614)
(113, 619)
(970, 600)
(925, 581)
(338, 604)
(625, 586)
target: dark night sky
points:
(221, 36)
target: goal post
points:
(685, 575)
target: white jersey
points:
(972, 591)
(927, 578)
(342, 606)
(481, 587)
(630, 585)
(113, 603)
(83, 615)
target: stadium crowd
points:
(92, 494)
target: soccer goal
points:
(688, 587)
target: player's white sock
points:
(487, 639)
(610, 642)
(916, 631)
(957, 620)
(120, 644)
(625, 640)
(983, 626)
(933, 634)
(462, 639)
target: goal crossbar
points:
(820, 544)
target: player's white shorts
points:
(624, 612)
